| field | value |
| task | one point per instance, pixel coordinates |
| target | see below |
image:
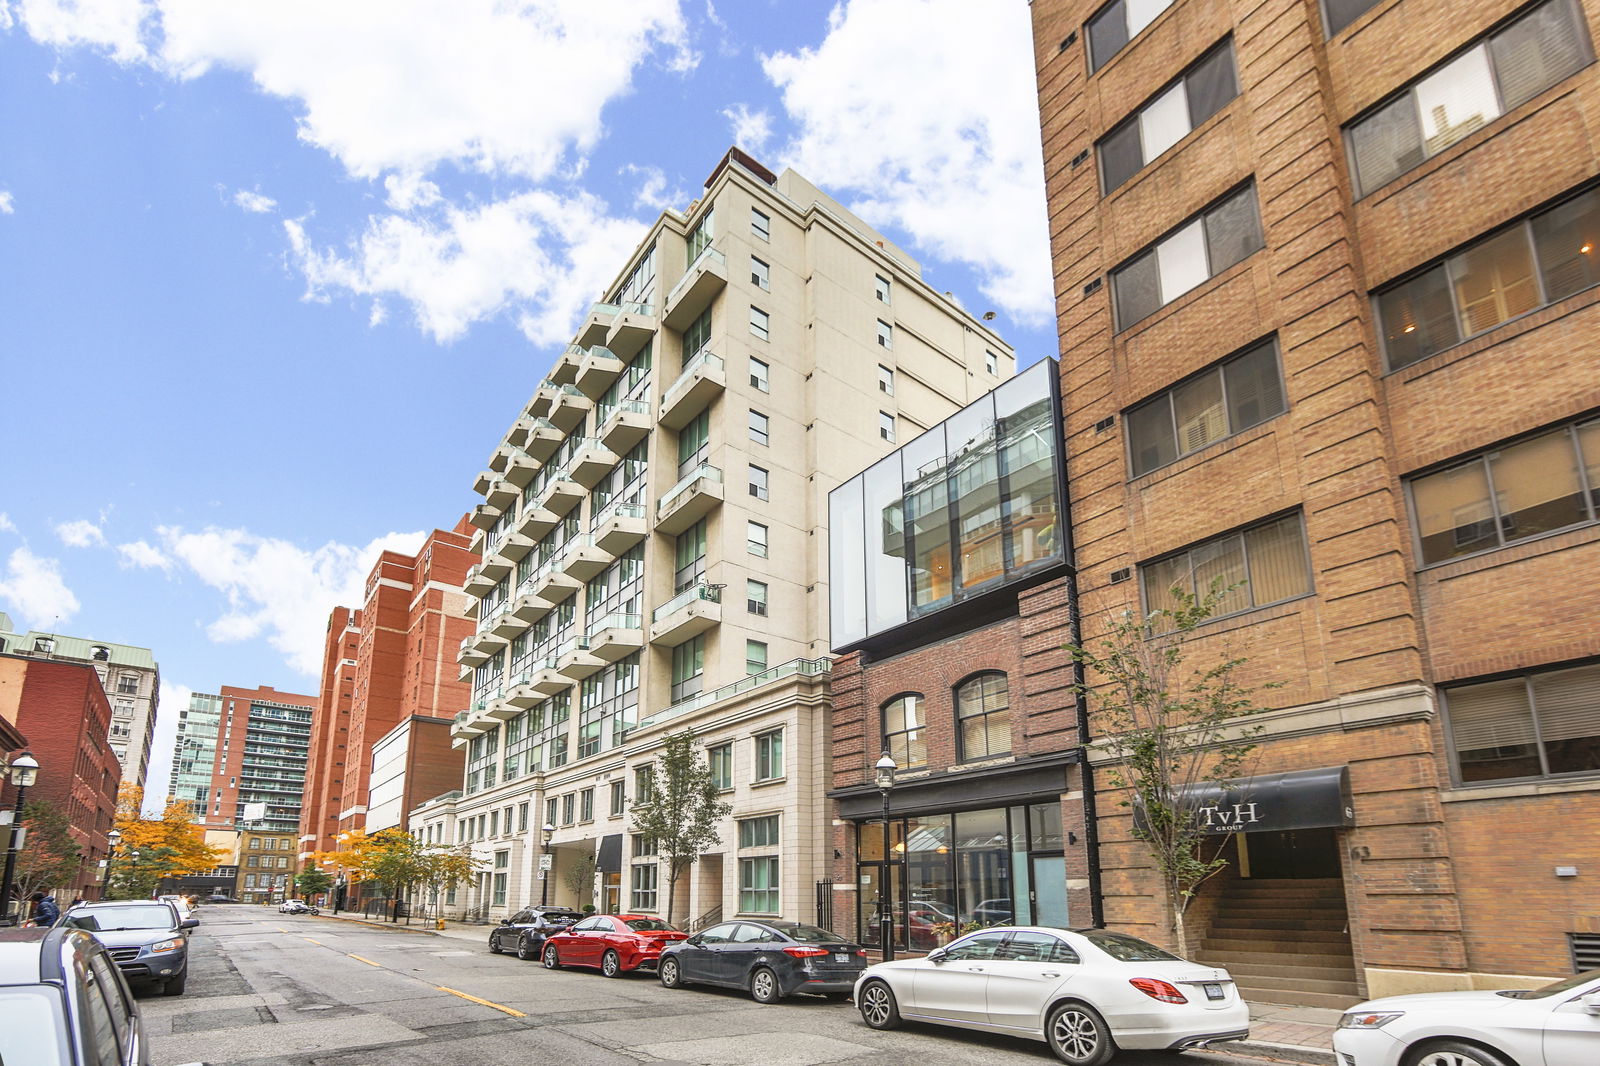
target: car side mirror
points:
(695, 941)
(505, 921)
(188, 923)
(1591, 1002)
(937, 955)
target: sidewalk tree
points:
(679, 808)
(445, 867)
(312, 881)
(1170, 727)
(169, 846)
(580, 878)
(50, 858)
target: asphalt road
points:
(272, 989)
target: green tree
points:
(680, 808)
(1170, 727)
(313, 881)
(445, 867)
(580, 878)
(49, 857)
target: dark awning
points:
(1298, 799)
(1036, 780)
(610, 859)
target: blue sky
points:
(258, 258)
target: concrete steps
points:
(1284, 941)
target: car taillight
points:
(1158, 990)
(805, 953)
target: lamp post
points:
(24, 770)
(113, 839)
(884, 770)
(545, 870)
(133, 868)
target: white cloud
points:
(926, 111)
(35, 591)
(7, 205)
(653, 193)
(80, 533)
(111, 26)
(254, 202)
(408, 192)
(6, 525)
(751, 129)
(276, 589)
(142, 555)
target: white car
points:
(1087, 993)
(1556, 1025)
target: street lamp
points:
(113, 839)
(547, 832)
(24, 770)
(884, 771)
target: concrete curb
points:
(1266, 1049)
(378, 925)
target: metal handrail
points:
(801, 667)
(701, 591)
(702, 470)
(706, 253)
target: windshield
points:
(649, 925)
(32, 1029)
(1561, 986)
(1125, 948)
(108, 919)
(810, 934)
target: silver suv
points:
(147, 938)
(63, 1002)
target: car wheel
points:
(1078, 1035)
(611, 964)
(764, 986)
(878, 1008)
(174, 985)
(1455, 1053)
(525, 950)
(494, 943)
(670, 975)
(552, 959)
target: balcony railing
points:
(702, 591)
(617, 509)
(708, 254)
(603, 309)
(604, 414)
(811, 668)
(704, 470)
(615, 620)
(635, 308)
(704, 358)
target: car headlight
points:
(1369, 1020)
(163, 946)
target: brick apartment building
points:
(1325, 278)
(950, 605)
(241, 747)
(388, 662)
(62, 710)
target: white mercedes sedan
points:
(1087, 993)
(1555, 1025)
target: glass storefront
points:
(961, 870)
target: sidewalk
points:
(422, 926)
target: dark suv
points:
(63, 1002)
(148, 940)
(521, 932)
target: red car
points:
(614, 943)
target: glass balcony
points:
(703, 379)
(501, 494)
(568, 407)
(597, 369)
(591, 461)
(500, 457)
(632, 329)
(704, 278)
(520, 468)
(581, 559)
(517, 435)
(467, 654)
(477, 582)
(484, 517)
(616, 635)
(689, 613)
(565, 370)
(619, 527)
(595, 328)
(625, 425)
(695, 495)
(544, 437)
(811, 669)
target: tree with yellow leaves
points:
(169, 846)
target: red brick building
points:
(62, 709)
(258, 777)
(1326, 288)
(330, 733)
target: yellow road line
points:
(316, 942)
(485, 1002)
(281, 929)
(369, 962)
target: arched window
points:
(902, 731)
(983, 717)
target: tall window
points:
(755, 539)
(755, 596)
(699, 237)
(1542, 724)
(1221, 401)
(760, 225)
(688, 668)
(1503, 70)
(568, 808)
(1517, 491)
(991, 363)
(760, 324)
(643, 896)
(1195, 252)
(720, 759)
(1534, 261)
(697, 336)
(755, 657)
(983, 714)
(1114, 25)
(1169, 117)
(689, 555)
(902, 731)
(769, 755)
(550, 811)
(880, 286)
(1268, 563)
(760, 427)
(885, 334)
(760, 273)
(760, 375)
(586, 805)
(758, 482)
(759, 885)
(619, 798)
(694, 443)
(643, 784)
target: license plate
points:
(1213, 991)
(841, 958)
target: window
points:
(881, 288)
(568, 808)
(689, 557)
(983, 718)
(1517, 491)
(758, 482)
(760, 273)
(586, 805)
(498, 899)
(494, 823)
(644, 783)
(522, 817)
(644, 886)
(885, 334)
(1232, 396)
(1116, 24)
(1532, 262)
(697, 336)
(720, 759)
(694, 443)
(128, 685)
(619, 798)
(755, 657)
(1268, 563)
(699, 237)
(760, 225)
(902, 731)
(885, 380)
(759, 375)
(886, 426)
(1503, 70)
(991, 363)
(759, 832)
(1168, 117)
(769, 755)
(550, 812)
(760, 323)
(755, 539)
(644, 844)
(1195, 252)
(1340, 13)
(759, 427)
(758, 885)
(688, 664)
(1534, 725)
(755, 597)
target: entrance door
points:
(1294, 853)
(613, 894)
(1050, 890)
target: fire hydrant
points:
(438, 923)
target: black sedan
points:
(524, 931)
(771, 959)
